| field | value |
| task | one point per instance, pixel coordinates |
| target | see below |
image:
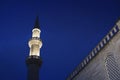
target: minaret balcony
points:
(35, 41)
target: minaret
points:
(34, 61)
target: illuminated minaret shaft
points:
(34, 61)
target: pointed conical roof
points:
(37, 23)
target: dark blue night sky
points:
(70, 30)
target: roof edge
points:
(96, 50)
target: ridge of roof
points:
(96, 50)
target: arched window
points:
(112, 68)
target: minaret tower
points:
(34, 61)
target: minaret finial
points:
(37, 23)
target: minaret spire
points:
(34, 61)
(37, 23)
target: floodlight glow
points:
(35, 43)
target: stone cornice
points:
(96, 50)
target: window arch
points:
(112, 68)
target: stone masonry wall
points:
(96, 69)
(103, 63)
